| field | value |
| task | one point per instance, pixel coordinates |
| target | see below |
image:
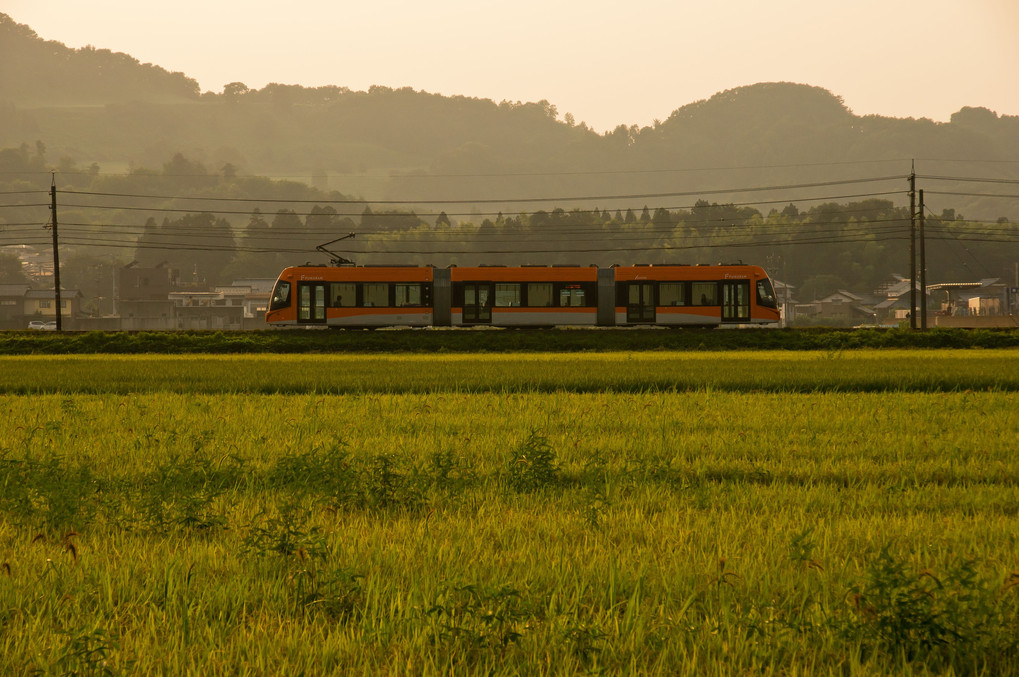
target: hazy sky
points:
(608, 63)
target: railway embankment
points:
(496, 340)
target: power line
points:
(946, 192)
(1007, 162)
(688, 207)
(629, 249)
(390, 175)
(542, 235)
(581, 198)
(971, 179)
(119, 245)
(564, 229)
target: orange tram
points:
(523, 296)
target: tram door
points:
(736, 301)
(640, 302)
(311, 303)
(477, 303)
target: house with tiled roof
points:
(20, 304)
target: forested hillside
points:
(775, 170)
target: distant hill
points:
(37, 72)
(95, 106)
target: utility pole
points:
(923, 268)
(912, 247)
(56, 250)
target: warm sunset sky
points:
(608, 63)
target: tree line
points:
(817, 246)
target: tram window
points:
(633, 295)
(376, 294)
(408, 294)
(766, 294)
(539, 294)
(571, 297)
(342, 294)
(280, 296)
(671, 294)
(704, 294)
(507, 295)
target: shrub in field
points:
(471, 619)
(533, 465)
(337, 594)
(285, 533)
(179, 494)
(957, 619)
(450, 473)
(327, 470)
(386, 485)
(46, 493)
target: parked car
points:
(41, 325)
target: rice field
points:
(849, 513)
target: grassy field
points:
(801, 371)
(712, 513)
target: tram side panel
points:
(532, 296)
(705, 296)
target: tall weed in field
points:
(48, 493)
(88, 653)
(335, 593)
(533, 465)
(180, 493)
(285, 532)
(958, 619)
(469, 620)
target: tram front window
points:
(766, 294)
(280, 295)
